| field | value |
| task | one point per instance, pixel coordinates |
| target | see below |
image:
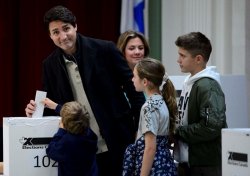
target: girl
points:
(150, 155)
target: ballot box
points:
(24, 143)
(235, 152)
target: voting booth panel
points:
(235, 152)
(24, 143)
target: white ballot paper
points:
(40, 95)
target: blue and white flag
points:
(132, 15)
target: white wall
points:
(247, 65)
(224, 22)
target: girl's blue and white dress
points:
(154, 117)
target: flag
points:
(132, 16)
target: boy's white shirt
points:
(181, 150)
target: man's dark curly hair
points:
(59, 13)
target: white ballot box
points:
(235, 152)
(24, 143)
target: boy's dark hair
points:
(195, 43)
(59, 13)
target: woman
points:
(133, 46)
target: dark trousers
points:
(107, 166)
(185, 170)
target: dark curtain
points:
(24, 43)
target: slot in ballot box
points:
(24, 143)
(235, 152)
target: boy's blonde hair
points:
(75, 117)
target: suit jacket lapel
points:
(86, 65)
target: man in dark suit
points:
(93, 72)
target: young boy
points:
(201, 109)
(74, 145)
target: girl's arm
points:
(149, 153)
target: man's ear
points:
(76, 27)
